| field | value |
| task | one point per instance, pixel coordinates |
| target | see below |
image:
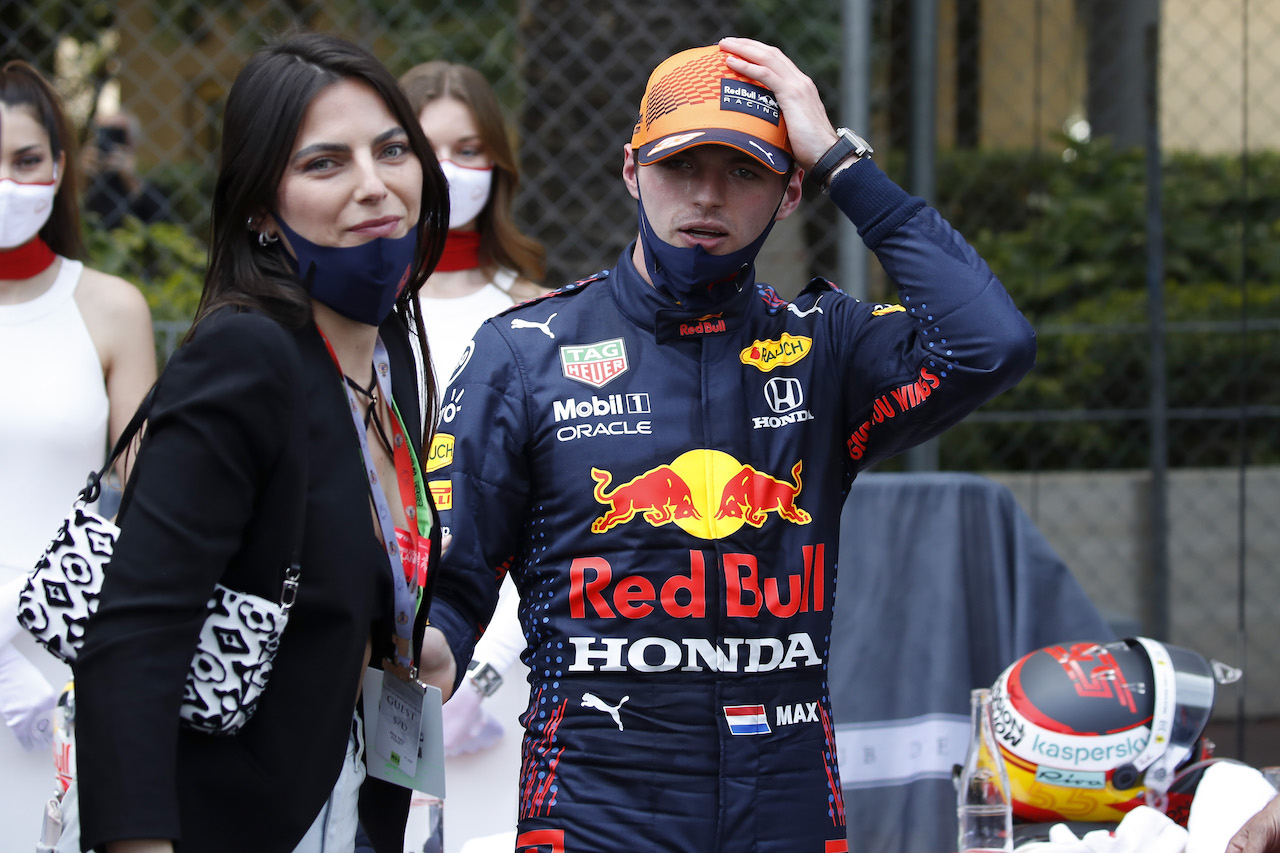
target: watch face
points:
(847, 142)
(485, 679)
(860, 145)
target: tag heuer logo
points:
(595, 364)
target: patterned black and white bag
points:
(238, 641)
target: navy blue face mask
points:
(688, 274)
(359, 282)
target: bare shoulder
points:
(523, 289)
(119, 322)
(108, 299)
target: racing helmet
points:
(1089, 731)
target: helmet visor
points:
(1180, 721)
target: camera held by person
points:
(115, 189)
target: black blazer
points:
(241, 414)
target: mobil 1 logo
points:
(600, 415)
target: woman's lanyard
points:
(409, 585)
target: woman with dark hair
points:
(488, 264)
(289, 415)
(76, 356)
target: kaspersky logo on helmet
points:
(707, 493)
(1040, 743)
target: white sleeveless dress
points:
(451, 323)
(53, 431)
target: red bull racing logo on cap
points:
(595, 364)
(707, 493)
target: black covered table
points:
(943, 581)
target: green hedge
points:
(164, 259)
(1067, 236)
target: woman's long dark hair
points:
(264, 111)
(22, 85)
(501, 241)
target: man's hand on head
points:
(810, 131)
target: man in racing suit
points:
(659, 453)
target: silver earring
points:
(265, 239)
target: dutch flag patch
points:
(746, 719)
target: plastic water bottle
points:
(424, 830)
(983, 806)
(435, 826)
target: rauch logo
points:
(766, 355)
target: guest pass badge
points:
(400, 721)
(407, 748)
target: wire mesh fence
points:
(1116, 163)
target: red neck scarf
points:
(461, 251)
(30, 259)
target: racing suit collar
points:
(670, 321)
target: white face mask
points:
(468, 191)
(24, 209)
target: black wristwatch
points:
(484, 678)
(847, 143)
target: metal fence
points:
(1115, 162)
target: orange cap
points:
(694, 98)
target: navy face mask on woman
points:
(688, 274)
(359, 282)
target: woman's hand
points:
(436, 664)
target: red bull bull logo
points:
(751, 495)
(661, 495)
(707, 493)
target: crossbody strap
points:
(289, 590)
(93, 488)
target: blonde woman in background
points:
(488, 265)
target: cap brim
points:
(770, 156)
